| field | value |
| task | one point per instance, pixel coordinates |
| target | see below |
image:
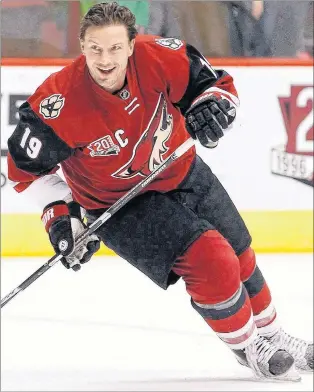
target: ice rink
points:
(109, 328)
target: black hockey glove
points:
(209, 115)
(64, 223)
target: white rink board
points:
(243, 159)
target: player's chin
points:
(107, 84)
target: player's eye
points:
(95, 48)
(115, 48)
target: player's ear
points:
(82, 46)
(131, 47)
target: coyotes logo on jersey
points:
(149, 151)
(295, 159)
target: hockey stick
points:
(103, 218)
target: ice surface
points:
(109, 328)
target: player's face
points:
(107, 50)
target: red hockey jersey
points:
(106, 143)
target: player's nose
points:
(105, 60)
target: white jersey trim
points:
(232, 98)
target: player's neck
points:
(119, 86)
(122, 87)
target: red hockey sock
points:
(263, 309)
(211, 272)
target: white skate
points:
(267, 361)
(301, 351)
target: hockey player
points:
(108, 119)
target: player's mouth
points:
(106, 71)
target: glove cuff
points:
(205, 96)
(215, 93)
(53, 211)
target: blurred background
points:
(41, 28)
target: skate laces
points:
(295, 346)
(259, 352)
(264, 349)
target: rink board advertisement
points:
(265, 162)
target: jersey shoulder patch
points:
(170, 43)
(51, 107)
